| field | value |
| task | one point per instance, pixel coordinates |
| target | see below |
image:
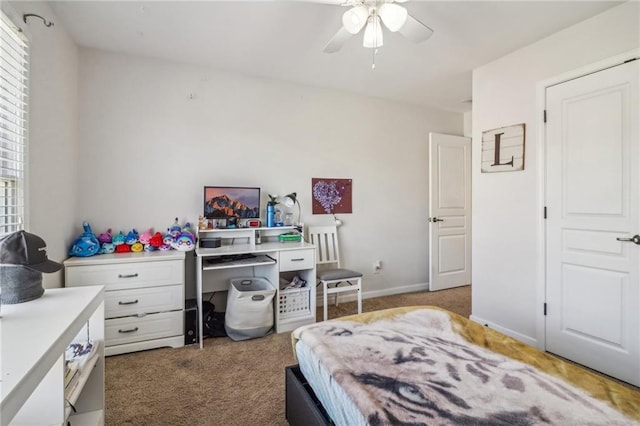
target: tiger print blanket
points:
(420, 365)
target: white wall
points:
(53, 139)
(506, 211)
(153, 133)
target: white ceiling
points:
(283, 40)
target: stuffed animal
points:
(118, 239)
(184, 242)
(165, 247)
(105, 237)
(137, 247)
(123, 248)
(186, 231)
(145, 237)
(108, 248)
(87, 244)
(175, 229)
(156, 240)
(168, 239)
(132, 237)
(149, 247)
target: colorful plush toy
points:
(137, 247)
(165, 247)
(168, 239)
(105, 237)
(145, 237)
(87, 244)
(186, 230)
(123, 248)
(175, 229)
(132, 237)
(149, 247)
(156, 240)
(184, 242)
(108, 248)
(118, 239)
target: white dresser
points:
(144, 297)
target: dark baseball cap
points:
(28, 250)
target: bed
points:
(425, 365)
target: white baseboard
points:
(395, 290)
(518, 336)
(351, 297)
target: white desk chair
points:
(325, 238)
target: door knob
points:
(635, 239)
(435, 219)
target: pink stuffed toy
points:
(145, 238)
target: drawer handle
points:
(128, 275)
(299, 259)
(257, 297)
(128, 331)
(128, 303)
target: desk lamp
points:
(290, 200)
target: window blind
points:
(14, 69)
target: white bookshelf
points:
(34, 336)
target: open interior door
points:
(449, 211)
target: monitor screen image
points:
(222, 202)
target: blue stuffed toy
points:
(87, 244)
(118, 239)
(132, 237)
(108, 248)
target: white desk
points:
(35, 335)
(273, 260)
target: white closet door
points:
(593, 190)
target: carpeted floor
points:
(227, 382)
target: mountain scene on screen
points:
(222, 206)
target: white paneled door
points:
(592, 196)
(449, 211)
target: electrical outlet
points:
(377, 266)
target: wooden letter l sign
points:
(503, 149)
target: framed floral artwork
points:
(331, 195)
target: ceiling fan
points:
(370, 15)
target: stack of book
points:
(76, 357)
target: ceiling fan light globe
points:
(355, 18)
(373, 33)
(393, 16)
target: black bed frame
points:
(302, 406)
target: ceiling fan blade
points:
(337, 41)
(415, 30)
(334, 2)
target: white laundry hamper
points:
(249, 308)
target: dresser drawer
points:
(118, 276)
(294, 260)
(121, 303)
(119, 331)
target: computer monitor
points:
(226, 202)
